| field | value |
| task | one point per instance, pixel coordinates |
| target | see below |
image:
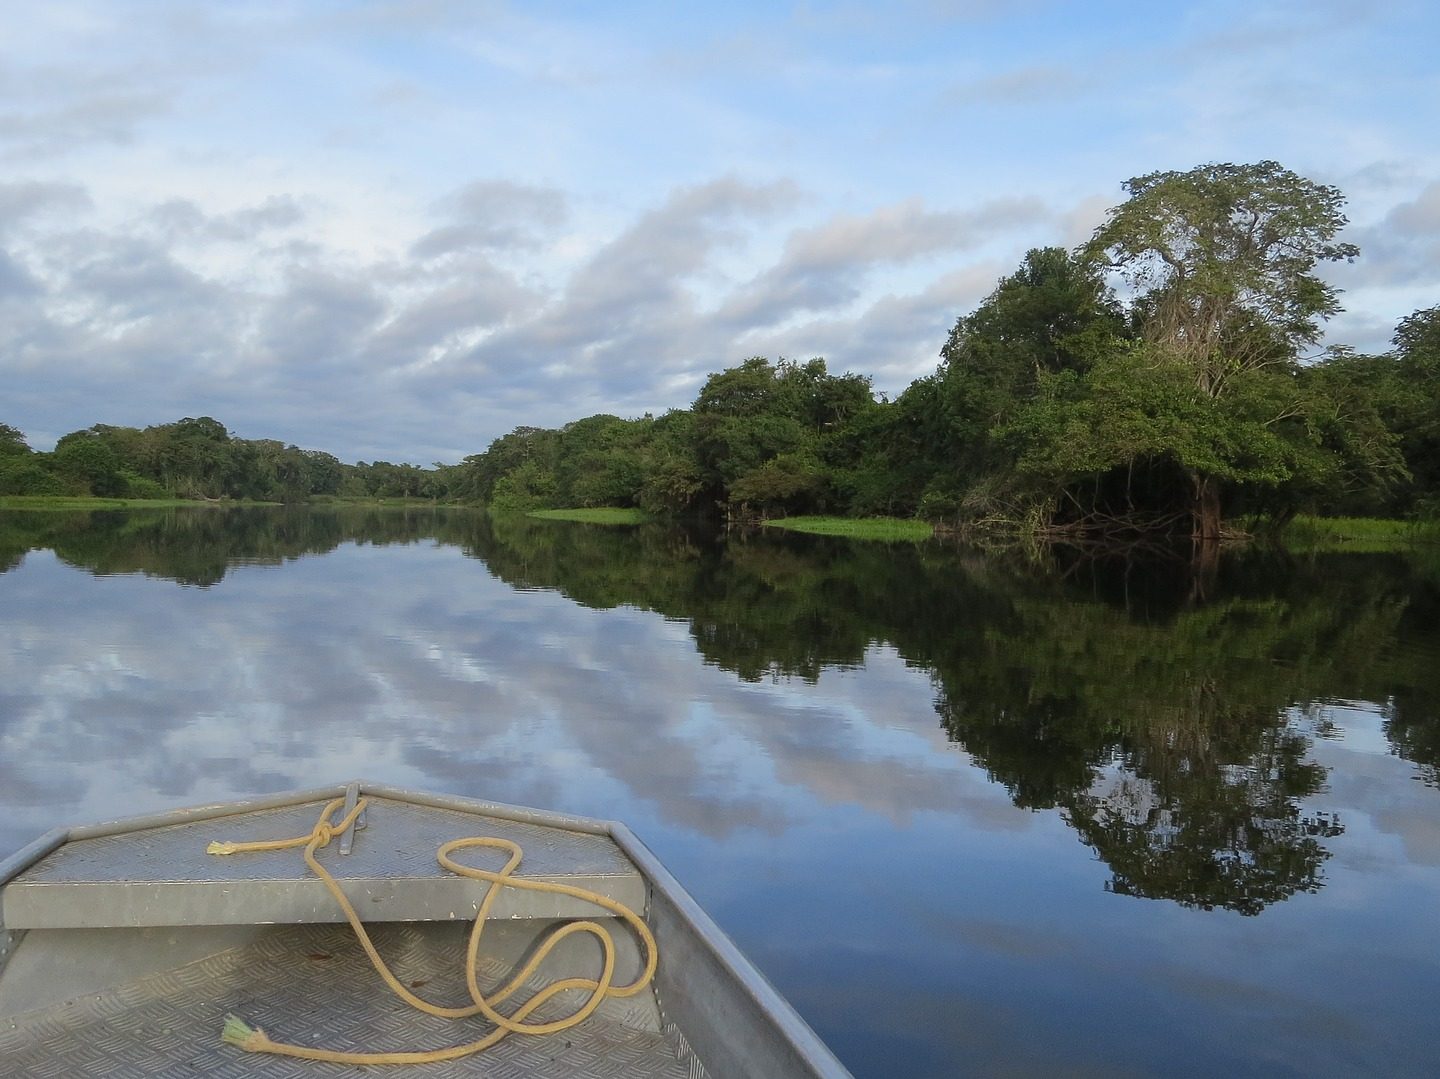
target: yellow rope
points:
(255, 1040)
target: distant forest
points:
(1155, 379)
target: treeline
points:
(1014, 430)
(195, 459)
(1154, 379)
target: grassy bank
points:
(870, 528)
(359, 500)
(600, 515)
(1357, 534)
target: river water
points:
(971, 814)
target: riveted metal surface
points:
(313, 985)
(162, 876)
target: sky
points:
(398, 229)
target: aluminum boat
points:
(124, 947)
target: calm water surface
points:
(970, 817)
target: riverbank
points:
(1358, 535)
(597, 515)
(865, 528)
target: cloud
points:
(27, 199)
(493, 214)
(126, 278)
(629, 312)
(1023, 86)
(1079, 223)
(183, 219)
(440, 317)
(15, 281)
(67, 82)
(895, 339)
(649, 261)
(316, 324)
(1420, 215)
(826, 266)
(57, 126)
(1400, 251)
(1273, 28)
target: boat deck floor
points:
(312, 984)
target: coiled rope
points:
(254, 1040)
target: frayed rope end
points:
(239, 1033)
(221, 847)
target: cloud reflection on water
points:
(434, 674)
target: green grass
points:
(371, 501)
(599, 515)
(871, 528)
(1358, 534)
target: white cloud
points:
(29, 198)
(1419, 216)
(826, 266)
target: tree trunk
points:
(1205, 509)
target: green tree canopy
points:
(12, 441)
(1052, 315)
(1415, 412)
(1220, 262)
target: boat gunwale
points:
(792, 1026)
(12, 865)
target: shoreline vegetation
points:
(1358, 535)
(1302, 534)
(890, 529)
(595, 515)
(1162, 381)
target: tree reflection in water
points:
(1168, 719)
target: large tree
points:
(1219, 263)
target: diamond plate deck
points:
(312, 984)
(163, 877)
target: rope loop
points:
(255, 1040)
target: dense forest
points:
(1160, 377)
(196, 459)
